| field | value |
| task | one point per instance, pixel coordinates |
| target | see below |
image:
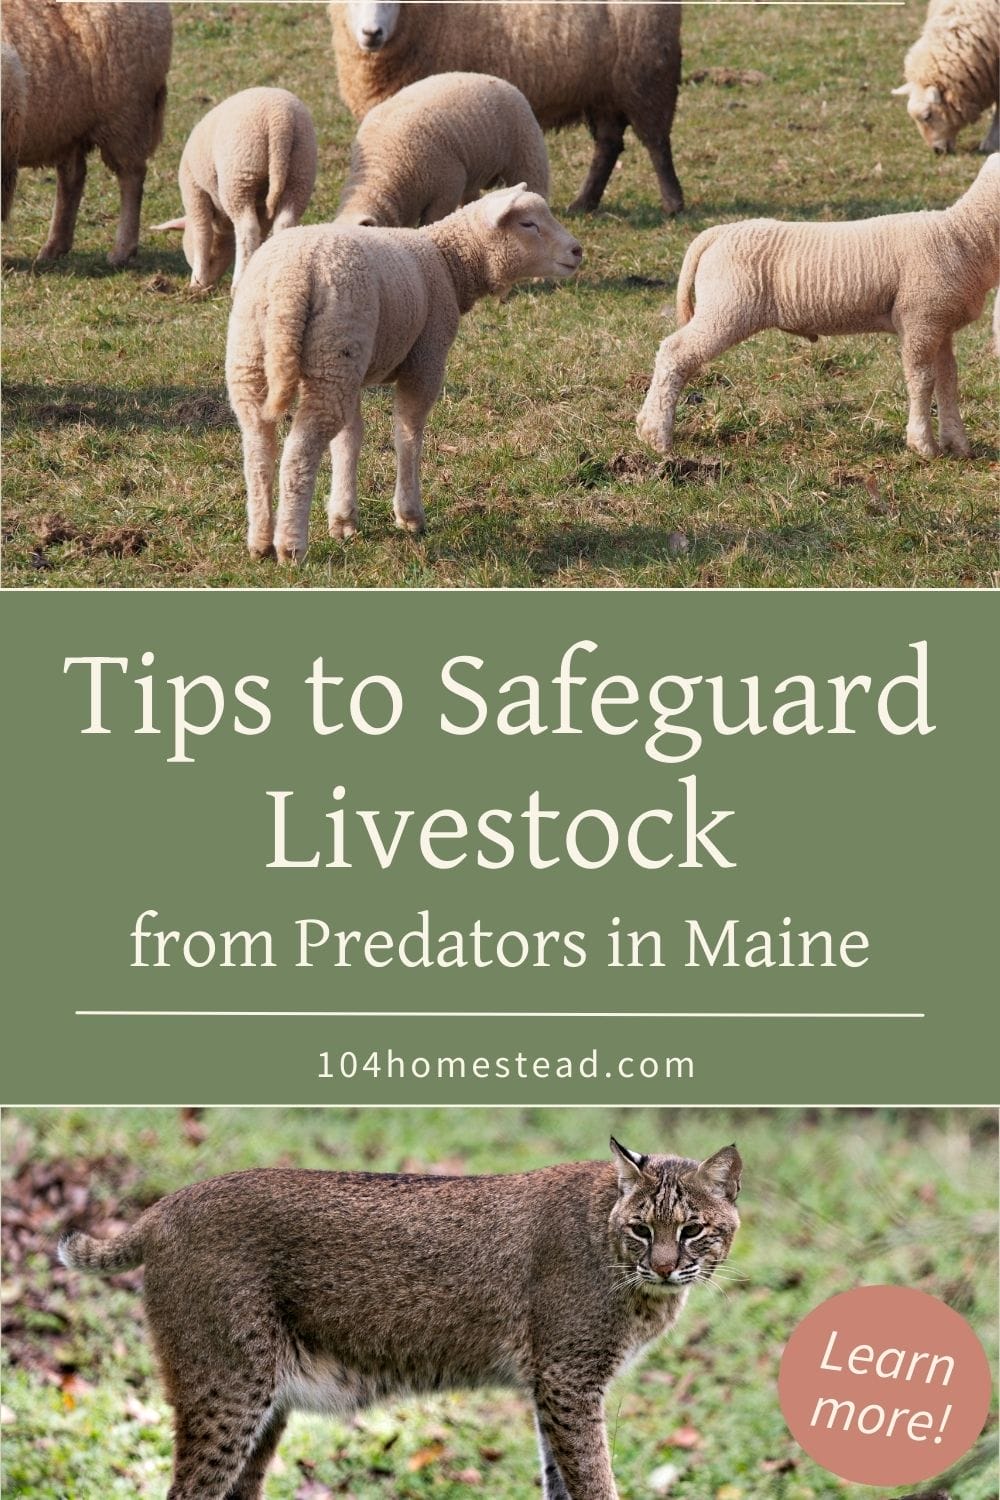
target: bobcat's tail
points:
(81, 1252)
(685, 282)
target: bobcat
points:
(271, 1290)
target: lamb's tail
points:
(280, 145)
(689, 267)
(284, 330)
(81, 1252)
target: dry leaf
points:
(684, 1437)
(424, 1457)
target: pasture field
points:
(831, 1200)
(122, 462)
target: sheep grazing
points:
(325, 310)
(13, 98)
(609, 65)
(919, 275)
(96, 76)
(953, 72)
(437, 144)
(248, 167)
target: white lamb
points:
(919, 275)
(953, 71)
(248, 166)
(437, 144)
(325, 310)
(96, 76)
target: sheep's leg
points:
(318, 419)
(260, 450)
(991, 141)
(657, 143)
(950, 429)
(342, 512)
(248, 236)
(919, 371)
(131, 181)
(414, 399)
(71, 174)
(679, 357)
(608, 132)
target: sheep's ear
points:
(720, 1174)
(904, 88)
(630, 1166)
(168, 224)
(496, 206)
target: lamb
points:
(610, 65)
(96, 76)
(13, 99)
(953, 72)
(248, 166)
(436, 144)
(919, 275)
(327, 309)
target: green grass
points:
(831, 1200)
(122, 461)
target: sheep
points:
(436, 144)
(609, 65)
(953, 72)
(96, 76)
(248, 166)
(919, 275)
(327, 309)
(13, 98)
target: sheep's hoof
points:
(260, 554)
(958, 446)
(52, 251)
(119, 259)
(925, 447)
(652, 435)
(580, 206)
(343, 530)
(415, 525)
(292, 555)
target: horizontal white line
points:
(562, 1015)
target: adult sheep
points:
(609, 65)
(952, 72)
(96, 76)
(13, 97)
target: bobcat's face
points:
(674, 1219)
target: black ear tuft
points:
(630, 1165)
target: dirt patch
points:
(680, 470)
(728, 78)
(55, 530)
(203, 411)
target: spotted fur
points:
(268, 1291)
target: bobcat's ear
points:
(630, 1166)
(720, 1174)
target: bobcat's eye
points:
(690, 1231)
(641, 1231)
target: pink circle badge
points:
(884, 1385)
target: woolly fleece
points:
(919, 275)
(436, 145)
(328, 309)
(248, 166)
(609, 65)
(96, 76)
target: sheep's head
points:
(522, 239)
(929, 111)
(371, 24)
(221, 255)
